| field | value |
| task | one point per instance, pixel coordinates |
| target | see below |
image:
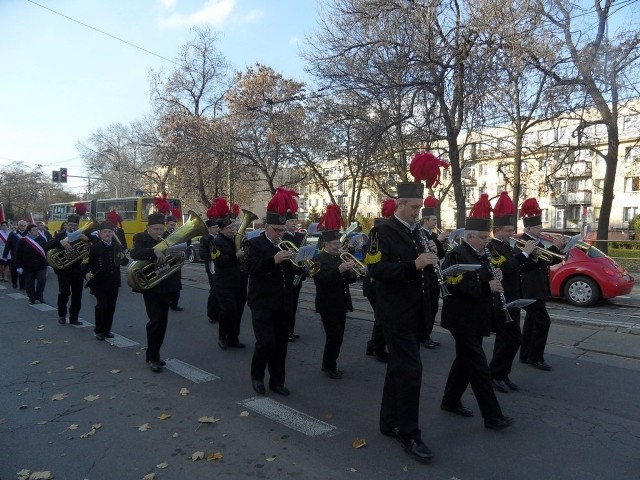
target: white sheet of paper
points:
(461, 268)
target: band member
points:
(116, 220)
(31, 262)
(508, 259)
(271, 295)
(70, 279)
(207, 252)
(428, 224)
(230, 283)
(467, 314)
(535, 284)
(296, 238)
(102, 273)
(333, 298)
(157, 298)
(9, 254)
(397, 261)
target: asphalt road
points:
(580, 421)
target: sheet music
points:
(306, 252)
(520, 303)
(460, 268)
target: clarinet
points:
(503, 301)
(436, 267)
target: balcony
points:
(577, 198)
(559, 201)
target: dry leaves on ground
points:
(144, 427)
(70, 367)
(162, 465)
(73, 426)
(35, 362)
(115, 370)
(359, 443)
(25, 474)
(94, 429)
(197, 456)
(149, 476)
(208, 420)
(214, 456)
(270, 459)
(175, 435)
(59, 396)
(164, 416)
(244, 413)
(92, 398)
(184, 391)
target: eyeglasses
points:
(278, 230)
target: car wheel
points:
(191, 256)
(581, 291)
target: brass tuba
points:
(145, 274)
(247, 218)
(60, 258)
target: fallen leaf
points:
(91, 432)
(23, 407)
(26, 389)
(23, 472)
(35, 362)
(43, 422)
(47, 342)
(59, 396)
(70, 367)
(244, 413)
(328, 416)
(405, 469)
(184, 391)
(214, 456)
(40, 327)
(149, 476)
(208, 420)
(359, 443)
(91, 398)
(37, 408)
(162, 465)
(270, 459)
(144, 427)
(164, 416)
(40, 475)
(352, 469)
(73, 426)
(175, 435)
(197, 456)
(115, 370)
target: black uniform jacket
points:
(55, 243)
(27, 257)
(295, 238)
(535, 274)
(469, 308)
(104, 262)
(228, 268)
(270, 285)
(508, 259)
(12, 245)
(206, 245)
(402, 291)
(143, 245)
(332, 287)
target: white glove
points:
(20, 271)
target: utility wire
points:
(104, 33)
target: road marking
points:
(289, 417)
(120, 341)
(43, 307)
(17, 296)
(189, 372)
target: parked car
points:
(192, 255)
(587, 275)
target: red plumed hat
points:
(332, 218)
(283, 201)
(162, 204)
(426, 166)
(177, 213)
(504, 213)
(388, 207)
(430, 206)
(531, 213)
(114, 218)
(80, 208)
(218, 209)
(235, 210)
(480, 216)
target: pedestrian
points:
(4, 264)
(31, 261)
(535, 285)
(467, 313)
(333, 298)
(270, 295)
(9, 253)
(158, 297)
(102, 273)
(397, 261)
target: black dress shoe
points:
(258, 386)
(417, 449)
(429, 343)
(177, 308)
(335, 374)
(156, 367)
(459, 410)
(100, 336)
(162, 363)
(295, 335)
(280, 390)
(62, 320)
(236, 345)
(75, 322)
(393, 433)
(540, 365)
(382, 356)
(222, 343)
(510, 384)
(498, 423)
(500, 385)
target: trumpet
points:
(539, 252)
(287, 246)
(358, 268)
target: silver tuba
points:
(60, 258)
(145, 274)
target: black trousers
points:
(333, 323)
(401, 394)
(507, 343)
(535, 332)
(271, 328)
(212, 302)
(174, 297)
(34, 283)
(70, 283)
(294, 307)
(377, 342)
(231, 302)
(16, 278)
(157, 306)
(105, 308)
(434, 297)
(470, 367)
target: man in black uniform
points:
(70, 279)
(508, 259)
(467, 314)
(207, 252)
(230, 284)
(157, 298)
(428, 223)
(296, 238)
(102, 273)
(376, 346)
(175, 297)
(270, 298)
(535, 284)
(398, 267)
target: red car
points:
(587, 275)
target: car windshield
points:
(590, 250)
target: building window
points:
(545, 215)
(631, 121)
(369, 199)
(629, 213)
(559, 218)
(632, 184)
(484, 169)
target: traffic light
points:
(55, 176)
(63, 175)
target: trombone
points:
(358, 268)
(539, 252)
